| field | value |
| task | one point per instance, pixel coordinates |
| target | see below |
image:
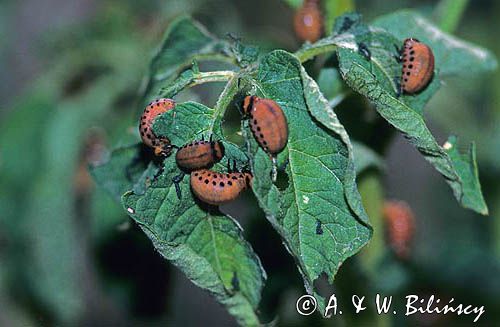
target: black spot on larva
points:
(196, 174)
(157, 104)
(265, 143)
(408, 73)
(255, 121)
(209, 175)
(412, 52)
(190, 144)
(221, 184)
(142, 133)
(143, 123)
(258, 129)
(214, 183)
(230, 183)
(404, 66)
(241, 176)
(406, 80)
(206, 181)
(261, 135)
(147, 110)
(234, 177)
(410, 66)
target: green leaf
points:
(357, 73)
(122, 170)
(466, 164)
(453, 56)
(184, 41)
(332, 86)
(205, 244)
(364, 158)
(333, 9)
(319, 214)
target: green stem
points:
(225, 99)
(449, 13)
(313, 51)
(210, 77)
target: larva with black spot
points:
(160, 145)
(216, 188)
(199, 154)
(418, 66)
(267, 122)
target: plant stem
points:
(209, 77)
(309, 53)
(449, 13)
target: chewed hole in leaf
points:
(323, 287)
(231, 125)
(282, 180)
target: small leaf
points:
(453, 56)
(244, 54)
(319, 214)
(335, 8)
(184, 41)
(465, 164)
(122, 170)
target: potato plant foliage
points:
(318, 214)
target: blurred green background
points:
(69, 256)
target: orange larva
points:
(217, 188)
(199, 154)
(160, 145)
(400, 227)
(418, 66)
(308, 21)
(267, 122)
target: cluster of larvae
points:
(269, 127)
